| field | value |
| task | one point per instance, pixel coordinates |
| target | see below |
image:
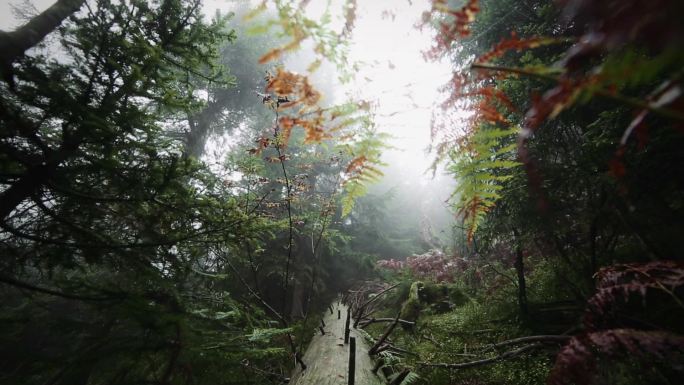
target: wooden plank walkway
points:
(327, 356)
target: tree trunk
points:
(14, 44)
(520, 270)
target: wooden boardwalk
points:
(327, 356)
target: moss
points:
(410, 310)
(440, 298)
(433, 293)
(457, 296)
(416, 288)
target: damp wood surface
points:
(327, 357)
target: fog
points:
(403, 88)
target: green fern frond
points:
(412, 378)
(481, 165)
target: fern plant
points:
(363, 168)
(481, 164)
(411, 378)
(611, 331)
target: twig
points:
(400, 350)
(487, 361)
(282, 320)
(540, 338)
(373, 350)
(288, 201)
(359, 313)
(367, 322)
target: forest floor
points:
(327, 357)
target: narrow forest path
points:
(327, 356)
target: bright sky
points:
(404, 85)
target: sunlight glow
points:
(396, 77)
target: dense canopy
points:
(187, 185)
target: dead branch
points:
(382, 339)
(486, 361)
(482, 331)
(400, 350)
(359, 312)
(438, 344)
(400, 377)
(367, 322)
(540, 338)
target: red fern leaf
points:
(577, 362)
(457, 27)
(620, 282)
(514, 43)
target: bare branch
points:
(486, 361)
(367, 322)
(382, 339)
(539, 338)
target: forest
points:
(487, 189)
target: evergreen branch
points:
(24, 285)
(275, 313)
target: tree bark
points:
(14, 44)
(520, 270)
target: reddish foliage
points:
(391, 264)
(356, 165)
(513, 43)
(577, 362)
(555, 100)
(456, 26)
(608, 26)
(617, 283)
(433, 265)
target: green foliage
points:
(363, 169)
(265, 335)
(481, 166)
(410, 309)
